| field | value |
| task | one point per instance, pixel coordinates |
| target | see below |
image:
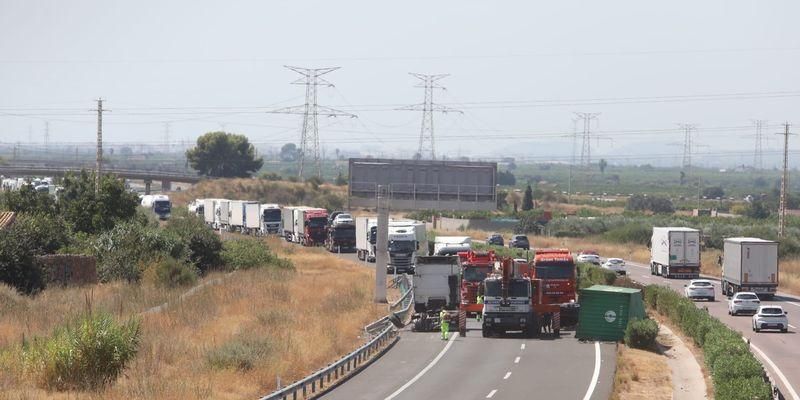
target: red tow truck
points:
(554, 270)
(474, 267)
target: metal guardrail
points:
(383, 333)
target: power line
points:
(309, 135)
(427, 140)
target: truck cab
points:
(270, 219)
(474, 267)
(402, 246)
(555, 271)
(507, 304)
(315, 224)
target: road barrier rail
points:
(383, 333)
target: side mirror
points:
(685, 285)
(786, 312)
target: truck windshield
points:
(492, 288)
(347, 233)
(555, 271)
(161, 206)
(272, 215)
(402, 246)
(318, 222)
(475, 274)
(519, 288)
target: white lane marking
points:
(792, 326)
(777, 371)
(491, 394)
(522, 346)
(507, 375)
(424, 370)
(596, 373)
(516, 360)
(793, 303)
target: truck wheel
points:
(484, 332)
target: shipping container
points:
(606, 310)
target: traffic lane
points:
(513, 367)
(400, 364)
(561, 369)
(782, 349)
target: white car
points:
(770, 317)
(343, 219)
(743, 302)
(699, 289)
(615, 264)
(589, 258)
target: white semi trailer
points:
(750, 265)
(675, 252)
(366, 238)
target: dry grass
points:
(264, 191)
(230, 340)
(641, 374)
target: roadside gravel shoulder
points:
(688, 377)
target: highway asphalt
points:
(422, 366)
(780, 352)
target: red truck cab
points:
(474, 267)
(316, 227)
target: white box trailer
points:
(750, 265)
(224, 216)
(366, 236)
(289, 217)
(209, 211)
(252, 218)
(436, 283)
(451, 244)
(675, 252)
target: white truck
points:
(407, 240)
(252, 218)
(237, 220)
(211, 212)
(366, 238)
(435, 288)
(270, 219)
(197, 207)
(750, 265)
(675, 252)
(289, 217)
(158, 203)
(223, 214)
(451, 245)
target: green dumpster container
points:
(606, 310)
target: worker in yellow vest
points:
(444, 324)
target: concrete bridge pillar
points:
(147, 184)
(166, 185)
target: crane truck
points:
(555, 269)
(508, 302)
(474, 267)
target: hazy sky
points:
(518, 71)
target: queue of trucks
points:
(748, 264)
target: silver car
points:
(699, 289)
(743, 302)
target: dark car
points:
(519, 242)
(495, 239)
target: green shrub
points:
(204, 246)
(641, 334)
(589, 275)
(751, 388)
(240, 353)
(169, 272)
(87, 354)
(249, 253)
(732, 366)
(123, 251)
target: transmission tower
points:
(309, 135)
(427, 142)
(784, 181)
(758, 156)
(687, 145)
(586, 148)
(46, 135)
(166, 137)
(99, 154)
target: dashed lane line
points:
(522, 346)
(516, 360)
(507, 375)
(491, 394)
